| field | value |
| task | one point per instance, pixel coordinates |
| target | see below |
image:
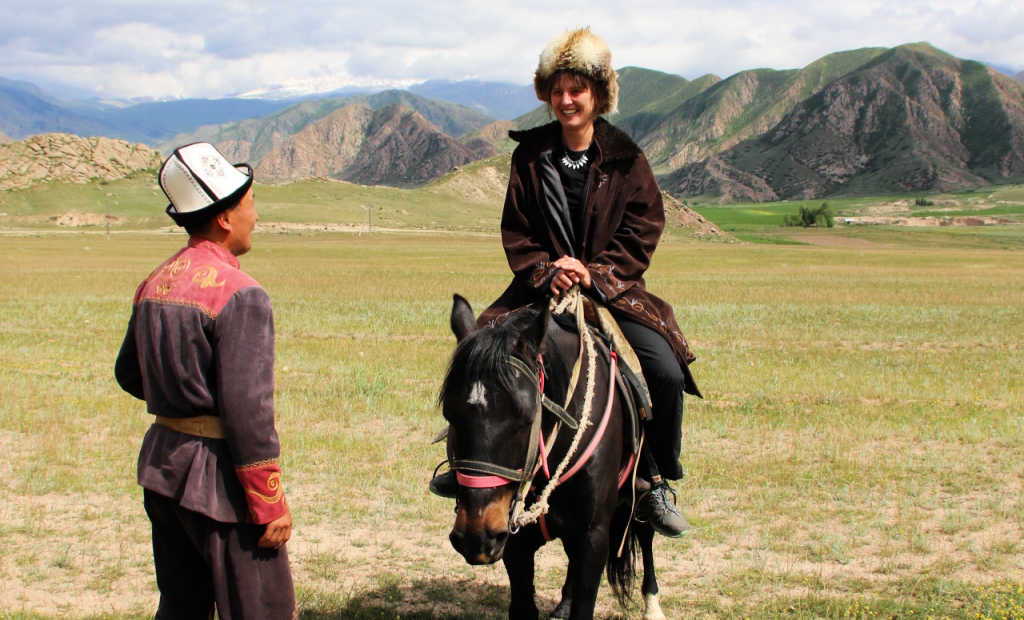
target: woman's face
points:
(573, 101)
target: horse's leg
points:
(518, 559)
(588, 554)
(564, 607)
(652, 606)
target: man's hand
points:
(278, 531)
(573, 272)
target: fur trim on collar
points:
(583, 52)
(612, 141)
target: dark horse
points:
(491, 397)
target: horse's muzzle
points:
(479, 547)
(481, 527)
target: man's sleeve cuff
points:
(263, 490)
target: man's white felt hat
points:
(200, 183)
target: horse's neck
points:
(562, 351)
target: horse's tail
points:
(622, 567)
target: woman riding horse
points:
(583, 207)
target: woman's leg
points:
(665, 382)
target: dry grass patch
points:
(857, 454)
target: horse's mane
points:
(484, 354)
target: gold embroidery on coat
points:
(206, 277)
(273, 484)
(170, 272)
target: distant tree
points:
(821, 216)
(924, 202)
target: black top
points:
(574, 170)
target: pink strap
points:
(543, 448)
(600, 429)
(544, 456)
(542, 522)
(474, 481)
(627, 471)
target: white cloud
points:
(192, 48)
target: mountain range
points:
(388, 138)
(909, 118)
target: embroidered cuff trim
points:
(263, 490)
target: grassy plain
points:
(858, 452)
(463, 200)
(763, 222)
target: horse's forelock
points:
(483, 356)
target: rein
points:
(520, 516)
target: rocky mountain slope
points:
(65, 158)
(320, 149)
(251, 139)
(913, 118)
(394, 145)
(744, 105)
(921, 119)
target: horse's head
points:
(490, 403)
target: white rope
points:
(559, 305)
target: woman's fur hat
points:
(583, 52)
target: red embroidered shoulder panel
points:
(202, 275)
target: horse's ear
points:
(462, 319)
(536, 331)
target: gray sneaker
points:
(656, 508)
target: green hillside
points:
(645, 96)
(467, 199)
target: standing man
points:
(200, 351)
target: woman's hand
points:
(573, 272)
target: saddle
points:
(629, 378)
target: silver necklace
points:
(574, 164)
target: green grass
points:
(855, 455)
(993, 211)
(762, 223)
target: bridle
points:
(486, 475)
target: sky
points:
(124, 49)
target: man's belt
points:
(201, 426)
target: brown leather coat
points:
(622, 223)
